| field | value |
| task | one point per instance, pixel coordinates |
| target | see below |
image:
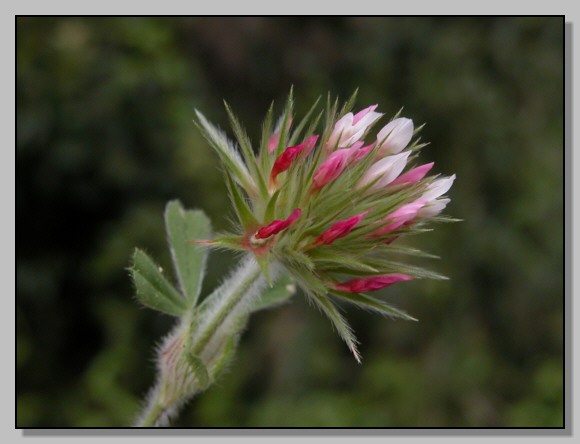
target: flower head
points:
(332, 220)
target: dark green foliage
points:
(105, 138)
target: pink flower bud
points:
(365, 112)
(438, 188)
(434, 206)
(350, 128)
(287, 158)
(340, 229)
(385, 170)
(333, 166)
(372, 283)
(394, 136)
(359, 154)
(276, 226)
(413, 176)
(400, 217)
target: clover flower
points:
(318, 205)
(317, 202)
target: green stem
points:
(217, 320)
(250, 273)
(152, 415)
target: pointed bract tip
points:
(201, 242)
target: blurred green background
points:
(105, 138)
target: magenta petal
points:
(278, 225)
(413, 176)
(372, 283)
(340, 229)
(356, 118)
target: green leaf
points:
(152, 288)
(189, 260)
(284, 287)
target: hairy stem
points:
(218, 320)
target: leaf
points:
(189, 260)
(152, 288)
(344, 330)
(284, 287)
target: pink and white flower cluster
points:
(329, 207)
(345, 148)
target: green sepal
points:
(342, 327)
(245, 215)
(153, 290)
(270, 213)
(231, 242)
(189, 260)
(297, 131)
(226, 354)
(247, 151)
(199, 370)
(228, 155)
(387, 266)
(349, 104)
(282, 141)
(330, 260)
(267, 131)
(370, 303)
